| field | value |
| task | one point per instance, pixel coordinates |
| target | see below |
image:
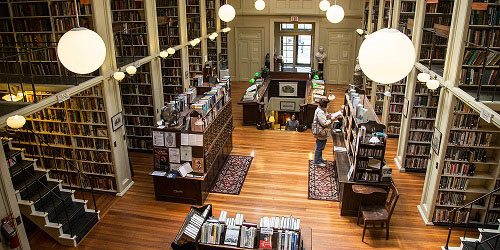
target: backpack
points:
(317, 129)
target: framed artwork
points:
(288, 88)
(117, 121)
(436, 140)
(287, 106)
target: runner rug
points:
(323, 182)
(233, 174)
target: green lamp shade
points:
(316, 77)
(252, 80)
(256, 74)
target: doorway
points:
(249, 52)
(295, 46)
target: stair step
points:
(486, 235)
(83, 225)
(39, 197)
(51, 204)
(470, 245)
(30, 182)
(12, 153)
(18, 167)
(72, 209)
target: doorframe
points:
(315, 45)
(353, 48)
(238, 30)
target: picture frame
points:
(117, 121)
(436, 140)
(287, 106)
(288, 89)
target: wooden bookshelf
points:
(223, 58)
(138, 109)
(193, 16)
(359, 151)
(212, 19)
(169, 36)
(129, 25)
(396, 108)
(480, 66)
(471, 168)
(34, 28)
(78, 130)
(422, 117)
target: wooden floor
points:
(276, 185)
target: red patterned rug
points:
(323, 182)
(233, 174)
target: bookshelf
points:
(223, 59)
(129, 25)
(193, 16)
(77, 129)
(396, 108)
(375, 16)
(366, 158)
(407, 12)
(169, 36)
(212, 19)
(470, 169)
(138, 109)
(480, 66)
(33, 28)
(422, 118)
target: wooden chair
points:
(379, 213)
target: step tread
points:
(72, 209)
(487, 235)
(470, 245)
(49, 206)
(30, 180)
(12, 152)
(82, 225)
(18, 167)
(37, 195)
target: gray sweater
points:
(320, 116)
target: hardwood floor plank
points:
(276, 185)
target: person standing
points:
(322, 121)
(292, 124)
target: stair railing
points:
(67, 162)
(469, 207)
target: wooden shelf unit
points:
(193, 16)
(212, 19)
(471, 168)
(359, 151)
(482, 33)
(169, 34)
(396, 108)
(34, 28)
(76, 129)
(222, 56)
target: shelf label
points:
(486, 115)
(61, 97)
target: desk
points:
(349, 199)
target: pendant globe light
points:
(386, 56)
(324, 5)
(432, 84)
(260, 5)
(423, 77)
(227, 13)
(119, 75)
(81, 50)
(16, 121)
(171, 51)
(335, 13)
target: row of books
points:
(466, 154)
(427, 112)
(470, 138)
(420, 136)
(93, 156)
(391, 129)
(456, 183)
(430, 101)
(104, 169)
(394, 117)
(50, 114)
(445, 215)
(422, 124)
(371, 152)
(126, 5)
(135, 143)
(98, 182)
(92, 143)
(86, 103)
(67, 8)
(87, 117)
(451, 198)
(33, 9)
(88, 130)
(465, 121)
(485, 17)
(367, 176)
(418, 149)
(457, 168)
(139, 121)
(141, 111)
(472, 76)
(478, 57)
(479, 37)
(416, 163)
(138, 131)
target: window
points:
(305, 26)
(304, 43)
(287, 49)
(287, 26)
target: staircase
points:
(488, 240)
(45, 202)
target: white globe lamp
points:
(131, 70)
(119, 75)
(16, 122)
(324, 5)
(360, 31)
(81, 50)
(432, 84)
(423, 77)
(386, 56)
(163, 54)
(335, 14)
(215, 34)
(171, 51)
(227, 13)
(260, 5)
(227, 29)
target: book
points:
(266, 235)
(232, 235)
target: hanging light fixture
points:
(16, 121)
(119, 75)
(432, 84)
(335, 13)
(260, 5)
(386, 56)
(387, 93)
(163, 54)
(171, 51)
(360, 31)
(324, 5)
(81, 50)
(423, 77)
(227, 13)
(131, 70)
(227, 29)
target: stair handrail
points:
(454, 211)
(79, 171)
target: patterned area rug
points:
(323, 182)
(233, 174)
